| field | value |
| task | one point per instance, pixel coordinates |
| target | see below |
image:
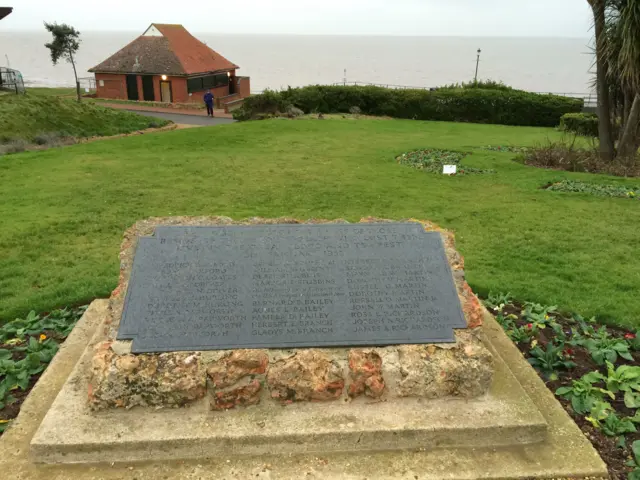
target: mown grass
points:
(63, 211)
(52, 91)
(26, 116)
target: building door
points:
(165, 92)
(148, 93)
(132, 87)
(232, 85)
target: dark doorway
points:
(232, 85)
(132, 87)
(148, 93)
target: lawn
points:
(52, 92)
(64, 210)
(27, 116)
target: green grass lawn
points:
(26, 116)
(64, 211)
(52, 91)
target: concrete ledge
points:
(565, 453)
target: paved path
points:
(181, 118)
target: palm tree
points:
(628, 64)
(607, 149)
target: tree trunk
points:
(604, 106)
(75, 74)
(626, 110)
(627, 146)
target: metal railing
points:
(11, 80)
(87, 84)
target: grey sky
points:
(555, 18)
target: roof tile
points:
(176, 52)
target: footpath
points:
(173, 111)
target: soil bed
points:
(614, 450)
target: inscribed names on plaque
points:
(286, 286)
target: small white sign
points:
(86, 90)
(449, 169)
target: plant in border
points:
(606, 348)
(548, 361)
(625, 378)
(539, 315)
(582, 393)
(497, 301)
(634, 461)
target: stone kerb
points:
(241, 378)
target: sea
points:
(558, 65)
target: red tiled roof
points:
(176, 52)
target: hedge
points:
(476, 105)
(581, 123)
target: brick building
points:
(168, 64)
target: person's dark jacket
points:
(208, 98)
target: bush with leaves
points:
(476, 105)
(580, 123)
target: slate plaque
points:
(286, 286)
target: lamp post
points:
(477, 65)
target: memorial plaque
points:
(287, 286)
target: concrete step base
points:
(564, 453)
(70, 433)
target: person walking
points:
(208, 100)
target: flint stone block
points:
(436, 371)
(365, 371)
(237, 365)
(309, 375)
(124, 381)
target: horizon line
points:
(34, 30)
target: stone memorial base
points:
(563, 452)
(468, 409)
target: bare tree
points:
(65, 44)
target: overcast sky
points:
(556, 18)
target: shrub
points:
(294, 112)
(268, 103)
(483, 84)
(581, 123)
(565, 156)
(355, 110)
(47, 138)
(15, 145)
(506, 107)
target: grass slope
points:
(64, 211)
(25, 116)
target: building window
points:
(102, 83)
(198, 84)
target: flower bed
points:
(432, 161)
(26, 348)
(506, 149)
(593, 370)
(620, 191)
